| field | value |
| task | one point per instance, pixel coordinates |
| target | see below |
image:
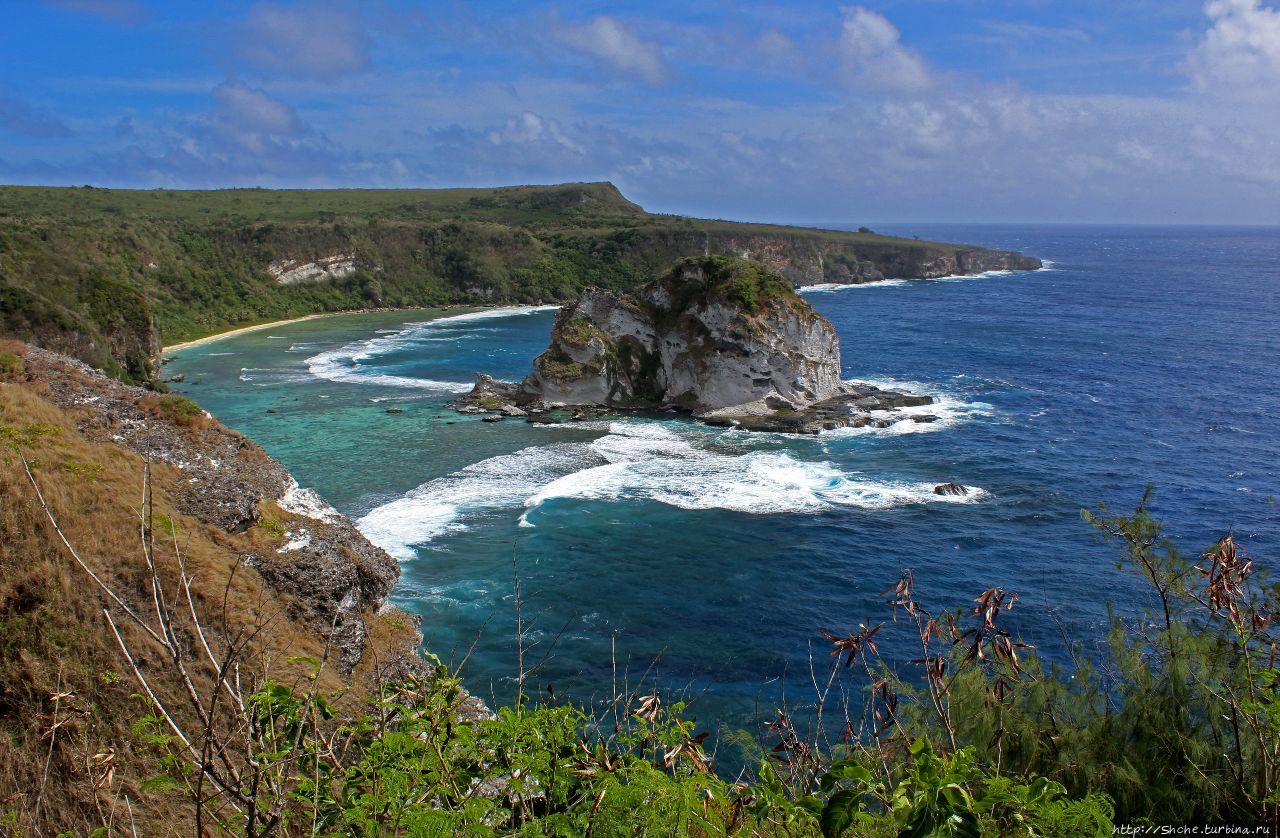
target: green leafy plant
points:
(10, 365)
(85, 471)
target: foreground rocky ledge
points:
(322, 572)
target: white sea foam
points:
(950, 409)
(436, 508)
(272, 376)
(689, 468)
(492, 313)
(344, 364)
(826, 287)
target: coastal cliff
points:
(332, 579)
(272, 573)
(109, 275)
(724, 339)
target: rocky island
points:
(723, 339)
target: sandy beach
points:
(177, 347)
(244, 330)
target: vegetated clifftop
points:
(268, 562)
(722, 338)
(108, 275)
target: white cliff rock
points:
(291, 271)
(715, 333)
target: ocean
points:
(706, 561)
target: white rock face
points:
(291, 271)
(682, 344)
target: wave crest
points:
(687, 468)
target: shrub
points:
(578, 332)
(271, 527)
(10, 365)
(179, 410)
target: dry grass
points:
(54, 640)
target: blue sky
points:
(940, 110)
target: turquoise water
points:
(1143, 355)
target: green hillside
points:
(110, 275)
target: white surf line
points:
(824, 287)
(257, 327)
(343, 364)
(637, 460)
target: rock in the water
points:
(492, 419)
(950, 489)
(394, 410)
(714, 333)
(724, 339)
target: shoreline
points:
(241, 330)
(257, 327)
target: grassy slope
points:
(53, 638)
(106, 274)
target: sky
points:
(1036, 111)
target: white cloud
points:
(874, 58)
(304, 40)
(1240, 53)
(608, 41)
(916, 141)
(531, 129)
(249, 119)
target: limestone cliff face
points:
(714, 333)
(293, 271)
(815, 258)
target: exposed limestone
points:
(292, 271)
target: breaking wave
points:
(688, 468)
(347, 363)
(950, 410)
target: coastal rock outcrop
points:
(330, 575)
(293, 271)
(714, 333)
(723, 339)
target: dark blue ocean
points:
(1144, 355)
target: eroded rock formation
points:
(724, 339)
